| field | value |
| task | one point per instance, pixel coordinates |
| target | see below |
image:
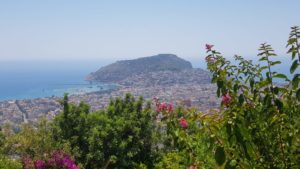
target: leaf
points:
(294, 66)
(294, 54)
(251, 83)
(296, 80)
(241, 99)
(244, 132)
(220, 156)
(230, 164)
(291, 41)
(220, 83)
(263, 58)
(275, 63)
(292, 49)
(279, 104)
(298, 94)
(281, 76)
(263, 68)
(275, 90)
(235, 87)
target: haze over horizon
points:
(111, 30)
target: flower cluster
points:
(183, 123)
(226, 99)
(192, 167)
(58, 159)
(209, 47)
(163, 107)
(28, 164)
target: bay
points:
(35, 79)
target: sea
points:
(36, 79)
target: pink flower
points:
(28, 163)
(208, 46)
(164, 107)
(183, 123)
(39, 164)
(226, 99)
(192, 167)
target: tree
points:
(122, 136)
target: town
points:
(186, 88)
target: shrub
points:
(259, 120)
(122, 136)
(6, 163)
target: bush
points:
(122, 136)
(259, 120)
(6, 163)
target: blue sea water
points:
(35, 79)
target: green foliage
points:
(257, 125)
(6, 163)
(172, 160)
(33, 142)
(261, 122)
(122, 136)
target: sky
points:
(108, 30)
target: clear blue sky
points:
(124, 29)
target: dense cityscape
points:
(190, 88)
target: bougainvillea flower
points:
(192, 167)
(183, 123)
(39, 164)
(226, 99)
(58, 159)
(164, 107)
(208, 46)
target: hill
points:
(121, 70)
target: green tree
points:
(31, 142)
(122, 136)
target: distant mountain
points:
(121, 70)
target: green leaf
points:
(241, 99)
(263, 68)
(291, 41)
(281, 76)
(263, 58)
(298, 94)
(235, 87)
(294, 54)
(296, 80)
(220, 156)
(291, 50)
(279, 104)
(230, 164)
(275, 63)
(275, 90)
(294, 66)
(251, 83)
(244, 132)
(220, 83)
